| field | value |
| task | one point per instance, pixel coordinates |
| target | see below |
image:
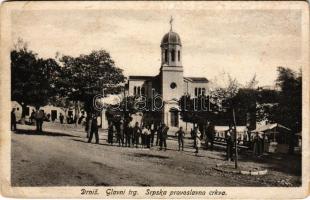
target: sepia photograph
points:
(108, 97)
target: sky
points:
(238, 42)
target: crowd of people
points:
(127, 134)
(36, 117)
(124, 133)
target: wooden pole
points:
(236, 149)
(102, 113)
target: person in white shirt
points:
(197, 139)
(146, 133)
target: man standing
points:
(128, 134)
(88, 125)
(158, 135)
(148, 137)
(119, 133)
(153, 130)
(180, 134)
(61, 118)
(94, 129)
(32, 117)
(121, 130)
(39, 119)
(143, 136)
(13, 120)
(210, 135)
(163, 138)
(197, 136)
(146, 133)
(229, 143)
(136, 133)
(257, 144)
(110, 133)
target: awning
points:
(269, 127)
(225, 128)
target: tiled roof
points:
(140, 77)
(198, 79)
(192, 79)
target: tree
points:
(244, 104)
(283, 106)
(252, 83)
(228, 90)
(31, 77)
(198, 110)
(267, 102)
(289, 109)
(83, 77)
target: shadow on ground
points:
(44, 133)
(150, 155)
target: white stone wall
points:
(170, 75)
(192, 87)
(48, 110)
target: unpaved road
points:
(61, 157)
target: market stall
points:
(276, 137)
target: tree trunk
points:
(236, 147)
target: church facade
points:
(170, 84)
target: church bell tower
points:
(171, 49)
(171, 73)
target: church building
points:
(170, 83)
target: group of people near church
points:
(140, 136)
(137, 135)
(123, 134)
(127, 135)
(145, 135)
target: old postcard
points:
(155, 99)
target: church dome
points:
(171, 38)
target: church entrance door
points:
(174, 118)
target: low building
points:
(54, 112)
(18, 110)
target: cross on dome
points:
(171, 21)
(171, 37)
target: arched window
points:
(166, 55)
(139, 90)
(173, 55)
(203, 91)
(135, 90)
(143, 91)
(179, 55)
(199, 91)
(196, 92)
